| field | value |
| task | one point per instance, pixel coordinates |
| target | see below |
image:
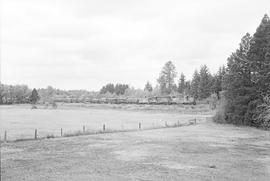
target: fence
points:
(104, 129)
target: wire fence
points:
(104, 128)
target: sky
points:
(85, 44)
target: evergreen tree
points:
(195, 85)
(166, 78)
(204, 89)
(218, 81)
(187, 88)
(181, 84)
(259, 56)
(148, 87)
(238, 86)
(34, 97)
(107, 88)
(120, 89)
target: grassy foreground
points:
(206, 151)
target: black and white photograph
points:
(134, 90)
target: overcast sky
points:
(84, 44)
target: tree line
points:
(246, 83)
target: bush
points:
(220, 116)
(262, 114)
(34, 107)
(54, 105)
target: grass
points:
(20, 121)
(88, 132)
(207, 151)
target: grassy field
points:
(20, 121)
(206, 151)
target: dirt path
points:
(207, 151)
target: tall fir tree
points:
(205, 83)
(218, 80)
(34, 97)
(148, 87)
(259, 56)
(195, 85)
(239, 88)
(166, 78)
(182, 83)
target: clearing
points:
(206, 151)
(20, 121)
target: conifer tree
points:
(195, 85)
(181, 84)
(34, 97)
(259, 56)
(166, 78)
(239, 89)
(204, 89)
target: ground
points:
(206, 151)
(20, 121)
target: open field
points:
(206, 151)
(20, 121)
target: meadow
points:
(20, 121)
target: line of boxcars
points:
(164, 100)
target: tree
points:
(239, 89)
(34, 96)
(107, 88)
(218, 81)
(148, 87)
(166, 78)
(195, 85)
(259, 56)
(181, 84)
(120, 89)
(259, 63)
(187, 88)
(204, 89)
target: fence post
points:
(83, 129)
(140, 126)
(61, 132)
(166, 124)
(35, 134)
(178, 124)
(5, 136)
(103, 127)
(195, 120)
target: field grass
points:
(205, 151)
(20, 121)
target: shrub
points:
(54, 105)
(262, 114)
(220, 116)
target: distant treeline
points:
(202, 85)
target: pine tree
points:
(195, 85)
(148, 87)
(34, 97)
(259, 55)
(166, 78)
(204, 89)
(218, 80)
(238, 86)
(181, 84)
